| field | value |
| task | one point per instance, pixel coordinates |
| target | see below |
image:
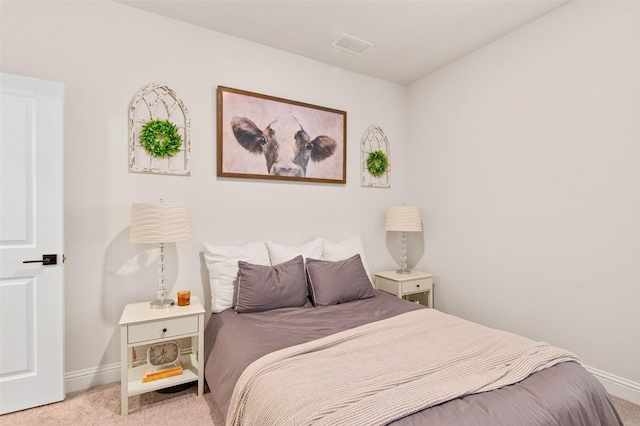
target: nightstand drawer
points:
(161, 329)
(417, 286)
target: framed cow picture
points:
(264, 137)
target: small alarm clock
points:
(163, 355)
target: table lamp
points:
(160, 223)
(403, 219)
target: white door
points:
(31, 225)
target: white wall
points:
(526, 159)
(104, 53)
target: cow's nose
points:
(287, 171)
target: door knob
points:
(47, 259)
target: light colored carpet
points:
(630, 413)
(101, 406)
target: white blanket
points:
(383, 371)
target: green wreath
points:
(160, 138)
(377, 163)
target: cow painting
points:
(286, 147)
(264, 137)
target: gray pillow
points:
(262, 288)
(338, 282)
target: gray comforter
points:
(565, 394)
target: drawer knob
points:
(164, 330)
(418, 285)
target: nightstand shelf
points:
(189, 374)
(414, 285)
(142, 325)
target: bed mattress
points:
(565, 394)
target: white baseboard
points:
(617, 386)
(91, 377)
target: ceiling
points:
(411, 38)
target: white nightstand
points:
(141, 325)
(418, 285)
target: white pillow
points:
(222, 263)
(344, 250)
(281, 253)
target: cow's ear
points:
(247, 134)
(322, 147)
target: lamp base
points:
(162, 304)
(403, 271)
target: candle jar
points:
(184, 298)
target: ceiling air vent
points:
(352, 44)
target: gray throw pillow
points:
(338, 282)
(262, 288)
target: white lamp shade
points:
(403, 219)
(159, 223)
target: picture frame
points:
(158, 102)
(266, 137)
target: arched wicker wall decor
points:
(158, 101)
(373, 140)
